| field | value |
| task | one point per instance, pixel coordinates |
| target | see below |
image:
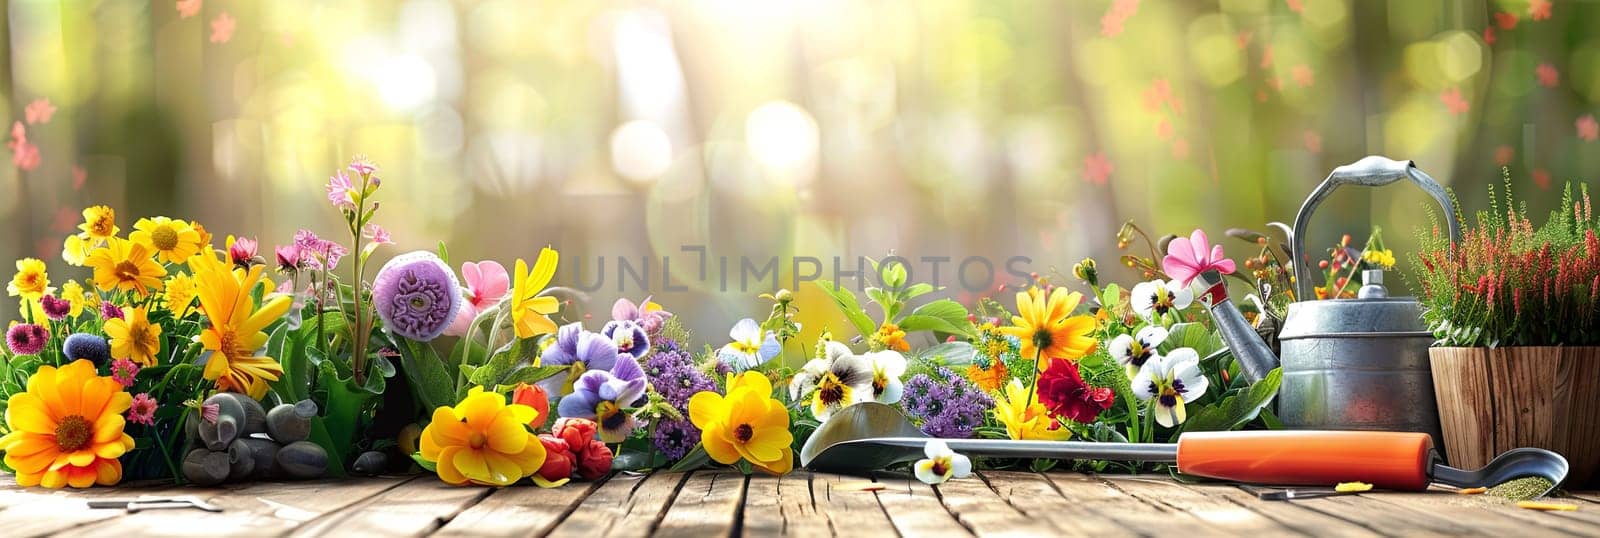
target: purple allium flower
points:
(110, 311)
(604, 397)
(674, 375)
(580, 349)
(665, 345)
(947, 405)
(675, 438)
(629, 337)
(416, 295)
(54, 308)
(86, 346)
(27, 339)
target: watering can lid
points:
(1387, 316)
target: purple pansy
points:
(630, 337)
(647, 314)
(416, 295)
(579, 350)
(604, 397)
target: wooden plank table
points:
(722, 503)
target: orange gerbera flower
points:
(1047, 328)
(66, 429)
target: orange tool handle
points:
(1389, 460)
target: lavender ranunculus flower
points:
(579, 350)
(416, 295)
(629, 336)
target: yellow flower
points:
(530, 312)
(73, 291)
(125, 265)
(76, 249)
(30, 282)
(1030, 420)
(179, 294)
(173, 241)
(66, 430)
(748, 423)
(483, 441)
(237, 325)
(1043, 325)
(892, 337)
(99, 222)
(989, 379)
(1382, 258)
(133, 337)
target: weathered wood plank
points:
(1491, 514)
(624, 506)
(985, 512)
(1289, 514)
(1132, 514)
(1035, 496)
(783, 505)
(708, 504)
(38, 511)
(253, 509)
(415, 508)
(518, 511)
(850, 510)
(1388, 518)
(1215, 512)
(915, 509)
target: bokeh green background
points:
(813, 128)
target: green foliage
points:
(1238, 407)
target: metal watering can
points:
(1348, 364)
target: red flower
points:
(535, 397)
(1063, 391)
(577, 432)
(591, 457)
(557, 460)
(595, 462)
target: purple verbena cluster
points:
(672, 373)
(945, 404)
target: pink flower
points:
(123, 371)
(341, 193)
(1303, 75)
(1452, 100)
(1503, 155)
(242, 250)
(376, 234)
(1588, 128)
(362, 166)
(23, 153)
(143, 409)
(1548, 75)
(1539, 9)
(1097, 168)
(222, 28)
(647, 314)
(487, 284)
(188, 8)
(1187, 258)
(39, 111)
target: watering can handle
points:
(1372, 171)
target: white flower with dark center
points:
(942, 464)
(1155, 298)
(1169, 382)
(1133, 350)
(831, 383)
(887, 368)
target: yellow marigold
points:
(892, 337)
(180, 293)
(237, 328)
(173, 241)
(133, 337)
(1047, 328)
(99, 222)
(748, 423)
(989, 379)
(125, 265)
(1026, 418)
(31, 282)
(530, 312)
(66, 429)
(483, 441)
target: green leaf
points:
(947, 354)
(417, 456)
(293, 385)
(1194, 336)
(425, 372)
(916, 290)
(501, 362)
(846, 301)
(943, 315)
(1237, 410)
(444, 254)
(527, 374)
(695, 459)
(886, 300)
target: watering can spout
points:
(1256, 360)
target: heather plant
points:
(1507, 283)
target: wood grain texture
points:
(708, 504)
(1214, 512)
(624, 506)
(1129, 513)
(255, 509)
(39, 512)
(983, 511)
(518, 511)
(915, 509)
(415, 508)
(1036, 497)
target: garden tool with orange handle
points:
(871, 436)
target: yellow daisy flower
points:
(30, 282)
(125, 265)
(133, 337)
(76, 249)
(81, 299)
(173, 241)
(99, 222)
(180, 293)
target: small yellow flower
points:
(989, 379)
(529, 311)
(892, 337)
(173, 241)
(133, 337)
(179, 294)
(483, 441)
(125, 265)
(66, 430)
(30, 282)
(1026, 419)
(99, 222)
(1382, 258)
(746, 424)
(81, 299)
(76, 249)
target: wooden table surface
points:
(715, 503)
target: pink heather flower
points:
(1188, 257)
(341, 193)
(143, 409)
(123, 372)
(487, 284)
(376, 234)
(27, 339)
(314, 251)
(39, 111)
(54, 308)
(109, 311)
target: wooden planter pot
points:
(1494, 400)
